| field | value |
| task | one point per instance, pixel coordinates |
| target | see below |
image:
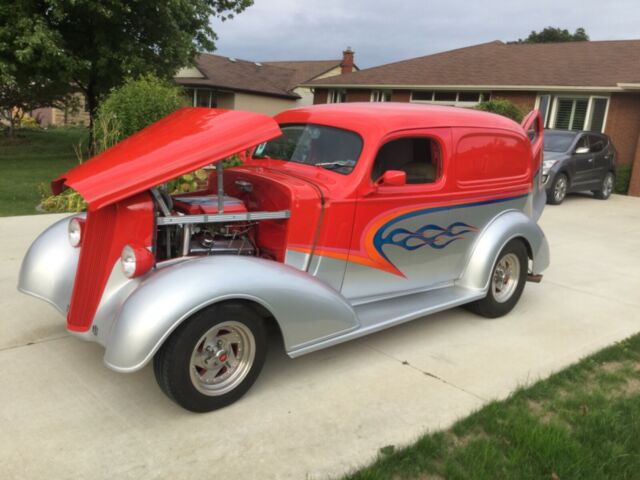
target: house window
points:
(202, 98)
(448, 97)
(381, 96)
(577, 112)
(337, 96)
(543, 107)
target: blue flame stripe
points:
(432, 235)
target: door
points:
(403, 239)
(602, 156)
(582, 164)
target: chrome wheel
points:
(560, 189)
(222, 358)
(505, 278)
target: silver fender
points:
(305, 308)
(505, 227)
(49, 268)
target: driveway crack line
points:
(428, 374)
(36, 342)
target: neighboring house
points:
(575, 85)
(225, 82)
(265, 87)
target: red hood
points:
(184, 141)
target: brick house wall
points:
(623, 126)
(358, 95)
(320, 95)
(401, 96)
(526, 101)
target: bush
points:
(132, 107)
(503, 107)
(623, 177)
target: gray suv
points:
(577, 161)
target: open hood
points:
(186, 140)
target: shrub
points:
(623, 177)
(67, 201)
(132, 107)
(503, 107)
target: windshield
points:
(327, 147)
(557, 141)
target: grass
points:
(581, 423)
(32, 158)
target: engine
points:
(232, 238)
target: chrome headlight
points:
(128, 261)
(135, 261)
(547, 164)
(74, 229)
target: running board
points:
(381, 314)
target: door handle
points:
(589, 160)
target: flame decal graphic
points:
(432, 235)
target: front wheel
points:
(606, 189)
(558, 189)
(507, 281)
(213, 358)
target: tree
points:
(98, 44)
(31, 67)
(554, 34)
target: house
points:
(575, 85)
(225, 82)
(264, 87)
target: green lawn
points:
(32, 158)
(582, 423)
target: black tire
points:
(606, 187)
(492, 306)
(181, 381)
(558, 192)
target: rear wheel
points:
(213, 358)
(559, 189)
(507, 281)
(606, 189)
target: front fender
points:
(305, 308)
(49, 268)
(507, 226)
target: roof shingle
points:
(580, 64)
(268, 78)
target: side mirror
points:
(393, 178)
(582, 150)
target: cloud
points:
(382, 31)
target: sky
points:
(386, 31)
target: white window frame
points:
(553, 111)
(379, 95)
(333, 95)
(454, 103)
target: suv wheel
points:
(559, 189)
(606, 189)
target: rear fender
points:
(305, 308)
(504, 228)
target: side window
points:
(597, 143)
(583, 142)
(418, 157)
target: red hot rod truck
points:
(344, 220)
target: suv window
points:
(597, 143)
(582, 142)
(418, 157)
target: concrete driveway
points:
(64, 415)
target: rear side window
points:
(418, 157)
(484, 157)
(596, 143)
